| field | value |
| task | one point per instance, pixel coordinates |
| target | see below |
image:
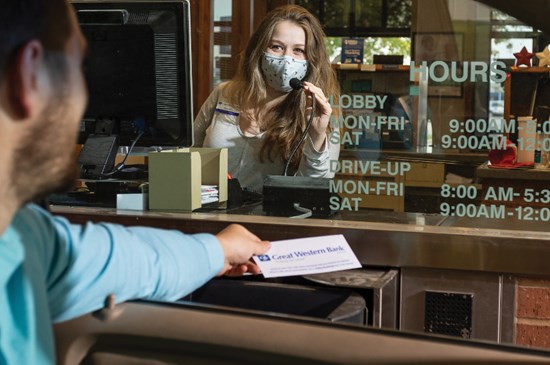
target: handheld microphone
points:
(296, 84)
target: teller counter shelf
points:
(526, 173)
(526, 187)
(400, 180)
(431, 154)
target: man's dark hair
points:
(22, 21)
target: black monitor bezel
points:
(184, 54)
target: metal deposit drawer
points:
(378, 287)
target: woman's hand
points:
(323, 111)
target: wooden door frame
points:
(201, 43)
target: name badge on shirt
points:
(225, 108)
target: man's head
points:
(42, 96)
(26, 20)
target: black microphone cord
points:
(296, 85)
(122, 164)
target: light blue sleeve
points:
(84, 264)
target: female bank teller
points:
(260, 118)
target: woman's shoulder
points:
(219, 94)
(222, 87)
(225, 92)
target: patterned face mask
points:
(279, 70)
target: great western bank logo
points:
(301, 254)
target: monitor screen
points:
(138, 71)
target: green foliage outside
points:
(364, 16)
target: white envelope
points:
(305, 256)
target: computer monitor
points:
(138, 71)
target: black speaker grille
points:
(138, 18)
(448, 314)
(167, 85)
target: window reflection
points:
(460, 94)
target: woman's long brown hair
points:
(287, 120)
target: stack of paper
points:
(209, 194)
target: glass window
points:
(336, 14)
(444, 121)
(367, 14)
(441, 90)
(350, 18)
(508, 35)
(452, 99)
(399, 14)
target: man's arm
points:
(84, 264)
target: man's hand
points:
(239, 245)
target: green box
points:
(176, 176)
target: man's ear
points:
(23, 79)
